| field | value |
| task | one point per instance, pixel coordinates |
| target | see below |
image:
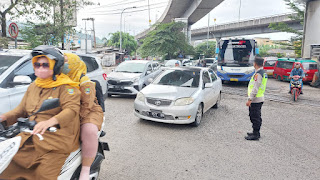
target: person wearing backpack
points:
(91, 113)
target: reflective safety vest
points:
(263, 85)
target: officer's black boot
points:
(253, 136)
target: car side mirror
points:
(21, 80)
(150, 80)
(208, 85)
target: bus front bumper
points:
(235, 76)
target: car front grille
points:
(119, 90)
(159, 102)
(120, 83)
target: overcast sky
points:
(107, 14)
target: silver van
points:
(130, 77)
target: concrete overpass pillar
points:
(311, 27)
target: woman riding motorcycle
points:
(91, 114)
(43, 159)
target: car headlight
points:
(184, 101)
(222, 71)
(140, 97)
(249, 71)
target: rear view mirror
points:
(20, 80)
(150, 80)
(208, 85)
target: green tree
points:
(263, 49)
(166, 41)
(128, 42)
(41, 11)
(298, 7)
(202, 49)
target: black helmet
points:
(54, 54)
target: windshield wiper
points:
(137, 72)
(124, 71)
(186, 86)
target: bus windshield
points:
(236, 53)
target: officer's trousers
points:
(255, 116)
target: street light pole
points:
(208, 31)
(239, 10)
(121, 26)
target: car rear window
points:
(6, 61)
(90, 62)
(209, 60)
(309, 66)
(285, 64)
(270, 63)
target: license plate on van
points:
(234, 79)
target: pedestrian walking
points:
(256, 89)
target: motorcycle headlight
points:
(222, 71)
(249, 71)
(184, 101)
(140, 97)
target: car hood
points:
(123, 76)
(167, 92)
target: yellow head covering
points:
(78, 68)
(49, 83)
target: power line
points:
(129, 11)
(136, 7)
(124, 2)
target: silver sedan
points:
(179, 96)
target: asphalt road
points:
(288, 149)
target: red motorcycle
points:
(295, 87)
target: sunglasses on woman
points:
(38, 65)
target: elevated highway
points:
(246, 27)
(191, 10)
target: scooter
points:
(9, 146)
(295, 87)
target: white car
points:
(16, 74)
(131, 76)
(179, 96)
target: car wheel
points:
(218, 101)
(279, 78)
(198, 118)
(109, 95)
(222, 81)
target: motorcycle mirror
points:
(49, 104)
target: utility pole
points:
(149, 13)
(239, 10)
(94, 33)
(61, 20)
(208, 31)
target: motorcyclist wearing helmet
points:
(43, 159)
(296, 71)
(91, 114)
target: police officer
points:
(256, 89)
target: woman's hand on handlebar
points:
(42, 126)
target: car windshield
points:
(6, 61)
(182, 78)
(309, 66)
(270, 63)
(131, 67)
(209, 61)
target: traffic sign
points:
(13, 30)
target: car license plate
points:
(156, 114)
(118, 87)
(234, 79)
